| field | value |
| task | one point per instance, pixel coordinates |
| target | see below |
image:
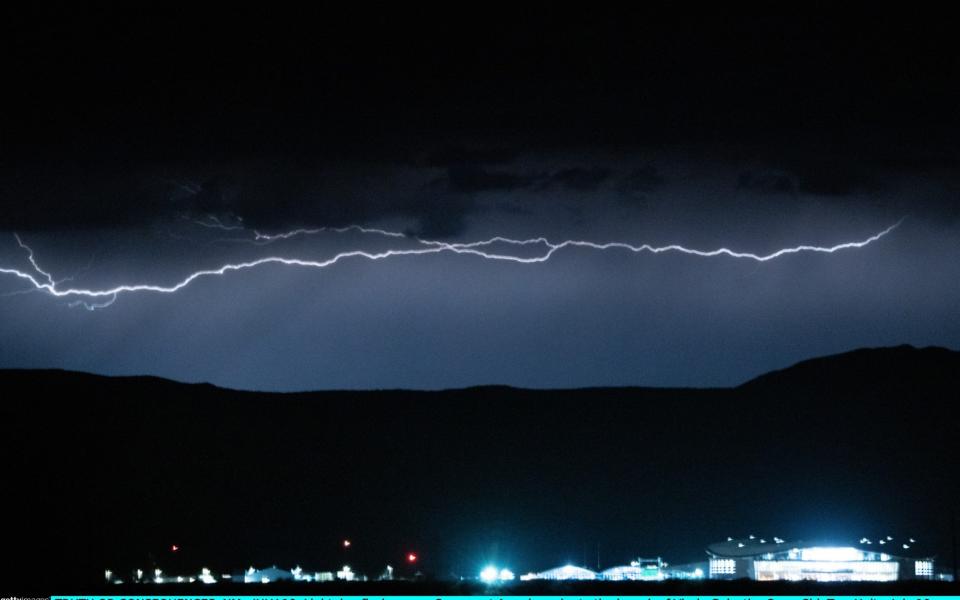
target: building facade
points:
(778, 560)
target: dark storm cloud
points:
(469, 179)
(467, 156)
(441, 217)
(57, 196)
(278, 197)
(579, 179)
(768, 183)
(840, 177)
(642, 179)
(102, 108)
(475, 178)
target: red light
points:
(412, 557)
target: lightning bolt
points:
(33, 261)
(262, 239)
(100, 298)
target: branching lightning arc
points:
(41, 280)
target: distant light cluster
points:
(732, 559)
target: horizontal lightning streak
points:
(48, 285)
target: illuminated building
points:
(778, 560)
(564, 573)
(642, 569)
(267, 575)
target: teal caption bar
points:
(493, 597)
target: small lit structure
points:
(642, 569)
(266, 575)
(796, 561)
(686, 571)
(346, 574)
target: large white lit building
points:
(641, 569)
(885, 559)
(564, 573)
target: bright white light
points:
(206, 577)
(831, 554)
(698, 573)
(491, 574)
(107, 574)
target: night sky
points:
(401, 174)
(128, 136)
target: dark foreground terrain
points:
(104, 472)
